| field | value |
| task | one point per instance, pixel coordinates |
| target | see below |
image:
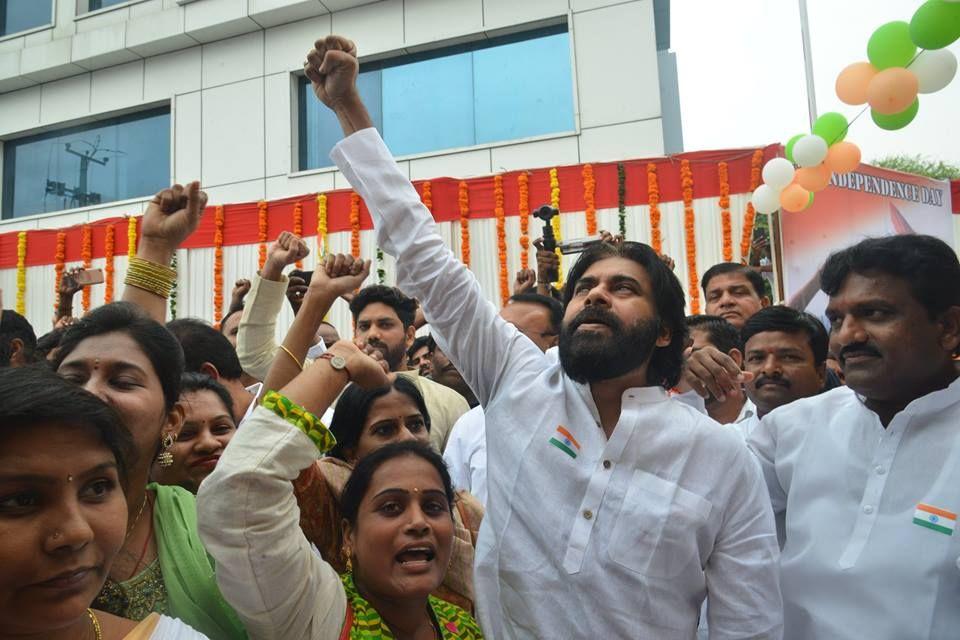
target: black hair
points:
(48, 342)
(405, 307)
(34, 395)
(666, 364)
(192, 382)
(202, 343)
(720, 333)
(787, 320)
(554, 307)
(928, 265)
(353, 407)
(223, 321)
(14, 326)
(419, 343)
(158, 344)
(359, 482)
(723, 268)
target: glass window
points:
(115, 159)
(93, 5)
(20, 15)
(490, 91)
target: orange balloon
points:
(892, 90)
(814, 178)
(794, 198)
(843, 157)
(852, 82)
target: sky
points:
(740, 67)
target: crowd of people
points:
(584, 462)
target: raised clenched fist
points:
(332, 68)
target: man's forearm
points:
(353, 115)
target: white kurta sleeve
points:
(249, 522)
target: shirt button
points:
(607, 464)
(587, 514)
(868, 509)
(880, 470)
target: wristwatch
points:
(339, 363)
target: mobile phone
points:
(306, 276)
(87, 277)
(579, 245)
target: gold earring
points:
(165, 458)
(348, 554)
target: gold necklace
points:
(97, 632)
(136, 519)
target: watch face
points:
(338, 362)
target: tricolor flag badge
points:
(939, 520)
(565, 441)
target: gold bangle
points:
(154, 278)
(290, 353)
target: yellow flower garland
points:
(131, 237)
(321, 225)
(21, 272)
(555, 222)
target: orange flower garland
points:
(298, 226)
(653, 199)
(689, 222)
(555, 222)
(589, 199)
(499, 214)
(218, 266)
(86, 254)
(355, 224)
(725, 212)
(109, 242)
(747, 237)
(427, 196)
(60, 256)
(463, 198)
(262, 231)
(131, 237)
(322, 224)
(22, 273)
(523, 183)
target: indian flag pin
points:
(939, 520)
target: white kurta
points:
(618, 538)
(466, 454)
(854, 564)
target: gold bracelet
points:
(290, 353)
(150, 276)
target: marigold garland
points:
(589, 199)
(523, 183)
(355, 224)
(747, 237)
(109, 246)
(427, 196)
(21, 273)
(218, 265)
(262, 231)
(555, 223)
(298, 226)
(463, 198)
(500, 216)
(726, 224)
(60, 257)
(689, 224)
(86, 255)
(321, 224)
(622, 199)
(173, 289)
(653, 199)
(131, 237)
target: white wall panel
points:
(233, 59)
(249, 191)
(117, 87)
(284, 186)
(187, 137)
(458, 165)
(171, 74)
(65, 99)
(531, 155)
(19, 110)
(233, 132)
(643, 139)
(374, 27)
(427, 20)
(506, 13)
(286, 46)
(279, 123)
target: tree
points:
(921, 166)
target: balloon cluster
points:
(889, 83)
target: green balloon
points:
(891, 46)
(789, 150)
(809, 202)
(936, 24)
(897, 120)
(831, 126)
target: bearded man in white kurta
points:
(613, 511)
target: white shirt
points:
(747, 421)
(854, 564)
(614, 538)
(466, 454)
(255, 389)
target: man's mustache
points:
(596, 315)
(860, 348)
(764, 380)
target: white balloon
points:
(809, 151)
(766, 199)
(778, 173)
(934, 69)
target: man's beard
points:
(395, 357)
(591, 356)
